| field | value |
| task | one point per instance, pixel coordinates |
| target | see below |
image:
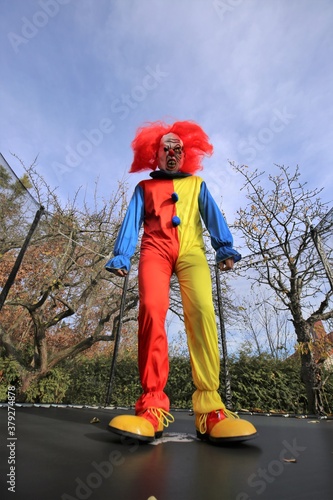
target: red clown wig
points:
(147, 140)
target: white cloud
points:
(232, 73)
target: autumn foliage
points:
(62, 302)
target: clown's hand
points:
(226, 265)
(119, 272)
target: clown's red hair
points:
(147, 140)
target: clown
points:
(171, 206)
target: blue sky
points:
(80, 76)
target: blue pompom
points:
(175, 197)
(175, 220)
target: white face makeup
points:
(170, 153)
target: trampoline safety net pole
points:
(117, 341)
(16, 267)
(228, 392)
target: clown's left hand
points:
(226, 264)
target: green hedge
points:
(257, 383)
(263, 383)
(50, 388)
(90, 380)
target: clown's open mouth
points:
(171, 162)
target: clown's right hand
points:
(119, 272)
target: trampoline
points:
(66, 453)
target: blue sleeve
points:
(128, 235)
(220, 235)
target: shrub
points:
(264, 383)
(180, 386)
(257, 383)
(49, 389)
(9, 375)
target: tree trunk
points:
(26, 379)
(311, 377)
(310, 371)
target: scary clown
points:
(171, 206)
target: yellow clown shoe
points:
(223, 426)
(146, 426)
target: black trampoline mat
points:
(60, 454)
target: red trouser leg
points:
(154, 285)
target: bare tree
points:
(63, 301)
(274, 226)
(17, 209)
(265, 324)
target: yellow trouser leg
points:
(196, 291)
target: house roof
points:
(322, 344)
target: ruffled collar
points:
(162, 174)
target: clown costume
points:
(171, 206)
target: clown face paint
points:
(170, 153)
